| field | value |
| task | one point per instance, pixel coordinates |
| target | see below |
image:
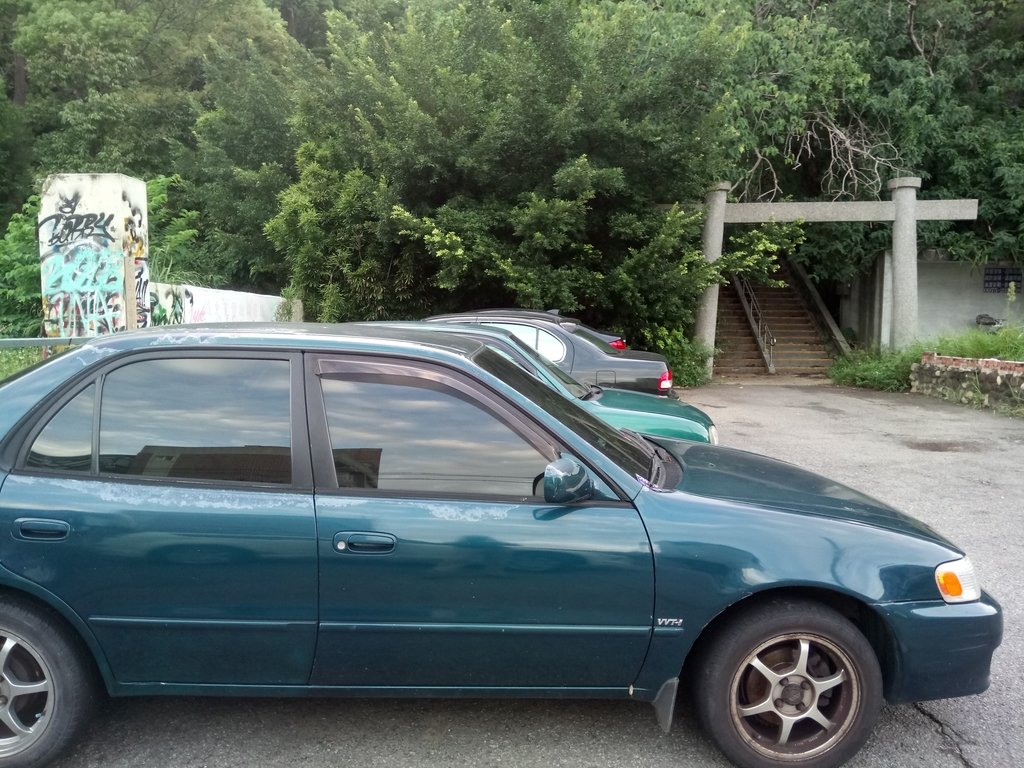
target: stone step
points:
(798, 349)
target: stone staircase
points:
(740, 355)
(799, 346)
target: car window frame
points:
(43, 413)
(340, 364)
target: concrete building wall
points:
(950, 296)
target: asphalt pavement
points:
(959, 469)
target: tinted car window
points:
(65, 443)
(198, 418)
(406, 434)
(588, 426)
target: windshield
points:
(627, 454)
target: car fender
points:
(712, 554)
(12, 583)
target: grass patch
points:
(13, 360)
(886, 370)
(889, 370)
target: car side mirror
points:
(566, 481)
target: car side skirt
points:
(368, 691)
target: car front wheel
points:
(46, 691)
(789, 683)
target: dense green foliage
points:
(21, 303)
(514, 153)
(947, 81)
(393, 158)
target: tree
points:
(244, 152)
(945, 81)
(517, 152)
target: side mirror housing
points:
(566, 481)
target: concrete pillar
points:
(714, 233)
(904, 261)
(94, 249)
(885, 302)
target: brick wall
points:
(992, 383)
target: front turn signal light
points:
(957, 582)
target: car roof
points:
(325, 336)
(567, 324)
(551, 315)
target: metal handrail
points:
(762, 333)
(822, 316)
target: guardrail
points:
(762, 333)
(52, 341)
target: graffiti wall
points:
(92, 229)
(176, 304)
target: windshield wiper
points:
(594, 392)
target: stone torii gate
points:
(904, 211)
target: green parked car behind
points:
(622, 408)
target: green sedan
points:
(622, 408)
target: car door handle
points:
(41, 530)
(360, 543)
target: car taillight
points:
(618, 344)
(665, 382)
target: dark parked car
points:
(311, 510)
(614, 340)
(576, 350)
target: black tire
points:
(47, 689)
(789, 684)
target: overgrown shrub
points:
(21, 303)
(889, 370)
(687, 358)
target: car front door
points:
(439, 563)
(161, 499)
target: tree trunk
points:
(20, 80)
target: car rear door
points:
(168, 501)
(439, 564)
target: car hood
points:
(724, 473)
(641, 401)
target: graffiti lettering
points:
(166, 306)
(82, 291)
(68, 226)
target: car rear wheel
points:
(46, 689)
(789, 683)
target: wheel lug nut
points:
(784, 681)
(800, 707)
(3, 701)
(805, 686)
(778, 703)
